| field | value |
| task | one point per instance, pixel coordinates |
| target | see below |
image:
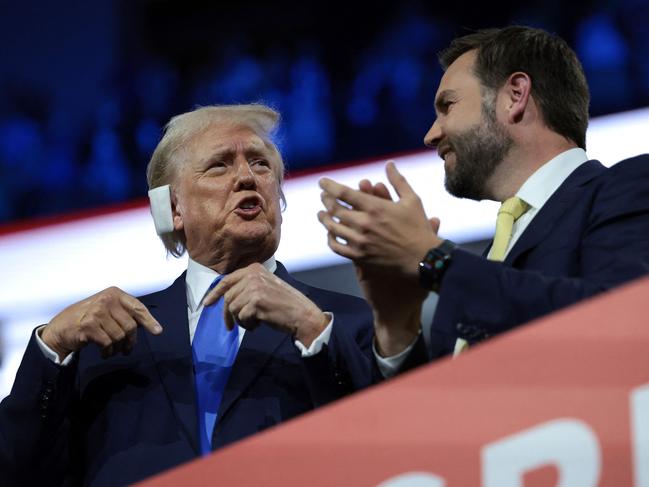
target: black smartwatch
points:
(434, 265)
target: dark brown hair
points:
(558, 83)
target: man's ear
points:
(176, 212)
(517, 92)
(160, 204)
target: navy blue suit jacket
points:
(591, 235)
(116, 421)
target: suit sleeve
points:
(345, 364)
(35, 421)
(480, 298)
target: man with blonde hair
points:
(235, 345)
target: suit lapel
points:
(562, 199)
(172, 355)
(255, 351)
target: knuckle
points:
(113, 292)
(86, 320)
(105, 299)
(362, 244)
(365, 226)
(129, 326)
(255, 300)
(255, 282)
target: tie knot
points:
(514, 206)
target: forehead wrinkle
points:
(256, 145)
(230, 149)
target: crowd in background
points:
(85, 89)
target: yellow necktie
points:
(510, 211)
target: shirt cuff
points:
(388, 366)
(49, 353)
(320, 341)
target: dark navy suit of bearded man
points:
(591, 235)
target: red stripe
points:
(52, 220)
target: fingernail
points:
(157, 329)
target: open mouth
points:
(248, 208)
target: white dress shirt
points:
(198, 280)
(541, 185)
(536, 191)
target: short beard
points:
(478, 152)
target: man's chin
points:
(459, 187)
(252, 233)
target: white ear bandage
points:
(160, 200)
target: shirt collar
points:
(538, 188)
(199, 278)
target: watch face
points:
(434, 265)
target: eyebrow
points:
(252, 148)
(442, 97)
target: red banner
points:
(563, 401)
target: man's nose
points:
(434, 135)
(244, 176)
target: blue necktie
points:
(214, 349)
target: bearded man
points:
(512, 113)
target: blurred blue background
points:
(85, 87)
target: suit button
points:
(479, 333)
(463, 329)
